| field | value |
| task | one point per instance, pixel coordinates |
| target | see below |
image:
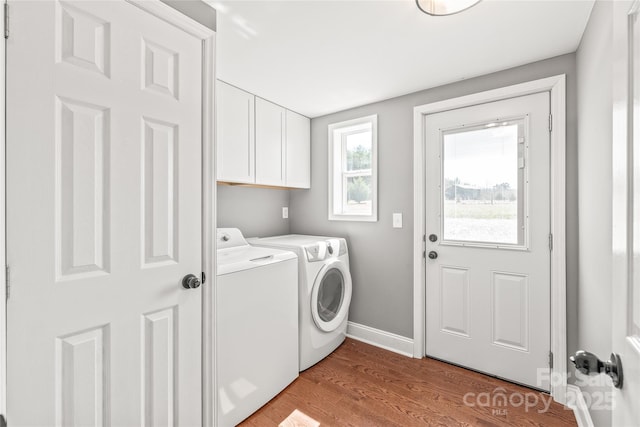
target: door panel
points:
(454, 300)
(82, 202)
(159, 398)
(160, 193)
(82, 386)
(510, 310)
(487, 201)
(104, 216)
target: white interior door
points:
(487, 246)
(104, 216)
(626, 211)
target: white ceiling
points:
(318, 57)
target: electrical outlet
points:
(397, 220)
(285, 213)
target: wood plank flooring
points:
(362, 385)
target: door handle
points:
(190, 281)
(589, 364)
(433, 255)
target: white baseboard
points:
(575, 400)
(387, 340)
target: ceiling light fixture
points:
(445, 7)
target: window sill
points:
(354, 218)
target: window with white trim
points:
(353, 180)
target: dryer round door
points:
(331, 295)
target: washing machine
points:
(256, 315)
(324, 292)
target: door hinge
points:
(550, 241)
(6, 20)
(550, 122)
(7, 280)
(551, 359)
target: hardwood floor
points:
(362, 385)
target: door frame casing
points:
(208, 209)
(3, 228)
(556, 85)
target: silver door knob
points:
(589, 364)
(190, 281)
(433, 255)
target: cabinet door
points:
(270, 147)
(236, 139)
(298, 151)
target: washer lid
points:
(232, 260)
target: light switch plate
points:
(285, 213)
(397, 220)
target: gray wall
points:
(594, 64)
(255, 211)
(197, 10)
(381, 256)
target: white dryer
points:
(324, 291)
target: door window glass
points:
(483, 183)
(330, 295)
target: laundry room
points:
(304, 213)
(386, 245)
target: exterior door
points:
(626, 210)
(487, 245)
(104, 216)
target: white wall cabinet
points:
(235, 134)
(259, 142)
(298, 151)
(270, 143)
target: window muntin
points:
(483, 184)
(352, 170)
